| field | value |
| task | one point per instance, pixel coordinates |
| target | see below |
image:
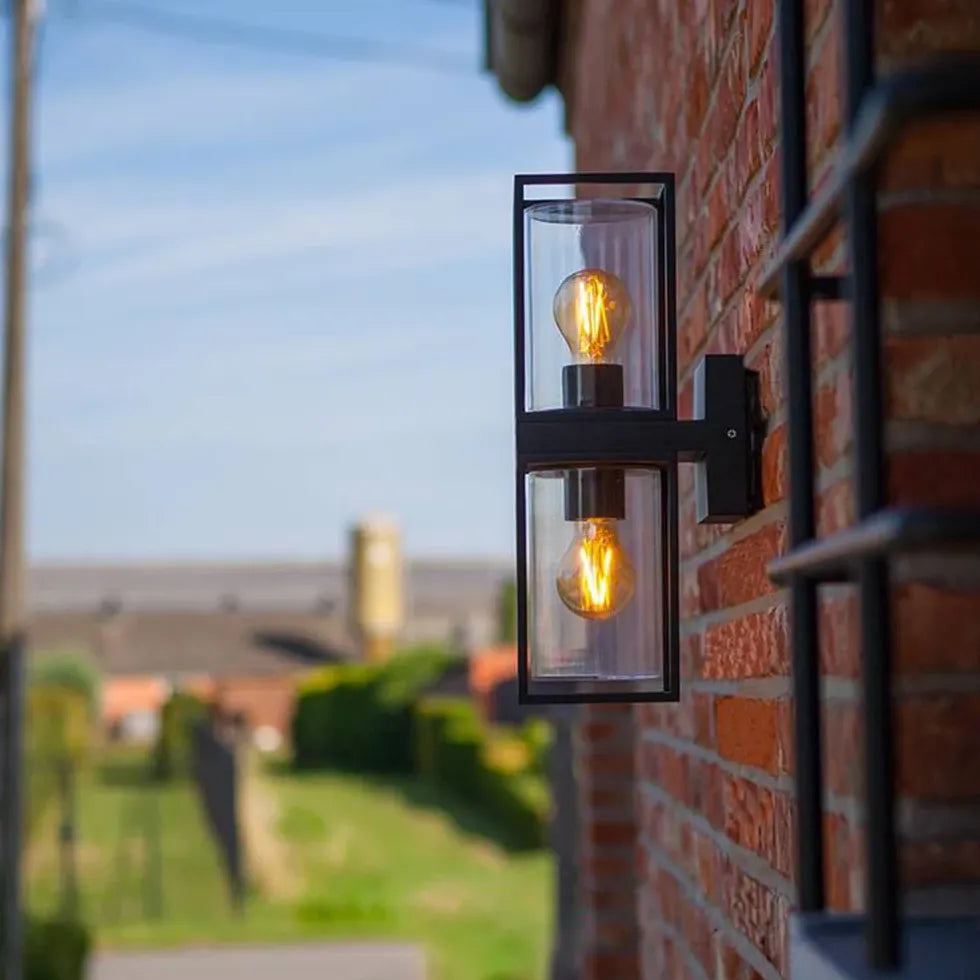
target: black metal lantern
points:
(599, 441)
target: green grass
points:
(343, 857)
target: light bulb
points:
(592, 309)
(595, 578)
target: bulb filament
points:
(592, 306)
(597, 562)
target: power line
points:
(219, 31)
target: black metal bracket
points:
(723, 440)
(727, 476)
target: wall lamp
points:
(599, 441)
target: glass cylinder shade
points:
(596, 586)
(591, 298)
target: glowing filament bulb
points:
(592, 309)
(595, 577)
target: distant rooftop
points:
(431, 586)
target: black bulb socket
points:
(596, 493)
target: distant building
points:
(240, 633)
(376, 601)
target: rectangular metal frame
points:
(560, 438)
(877, 113)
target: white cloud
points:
(390, 227)
(213, 107)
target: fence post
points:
(11, 816)
(69, 871)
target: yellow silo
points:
(376, 590)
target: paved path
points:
(334, 961)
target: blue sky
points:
(272, 291)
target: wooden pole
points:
(23, 13)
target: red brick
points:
(755, 317)
(939, 479)
(739, 574)
(723, 115)
(612, 762)
(693, 329)
(690, 654)
(815, 12)
(929, 252)
(784, 736)
(690, 593)
(746, 730)
(663, 765)
(936, 631)
(839, 626)
(619, 797)
(754, 645)
(769, 362)
(831, 331)
(606, 867)
(697, 934)
(599, 966)
(748, 150)
(759, 220)
(824, 97)
(840, 862)
(687, 535)
(835, 507)
(608, 832)
(707, 860)
(934, 379)
(602, 729)
(758, 819)
(937, 746)
(833, 419)
(830, 255)
(728, 964)
(760, 16)
(916, 27)
(728, 268)
(758, 912)
(703, 705)
(696, 103)
(935, 153)
(768, 107)
(704, 791)
(718, 211)
(775, 475)
(841, 732)
(940, 862)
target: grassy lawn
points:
(331, 856)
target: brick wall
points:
(693, 87)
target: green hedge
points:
(359, 716)
(172, 754)
(55, 949)
(491, 768)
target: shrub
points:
(70, 671)
(58, 725)
(172, 754)
(55, 949)
(489, 767)
(58, 733)
(538, 736)
(359, 716)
